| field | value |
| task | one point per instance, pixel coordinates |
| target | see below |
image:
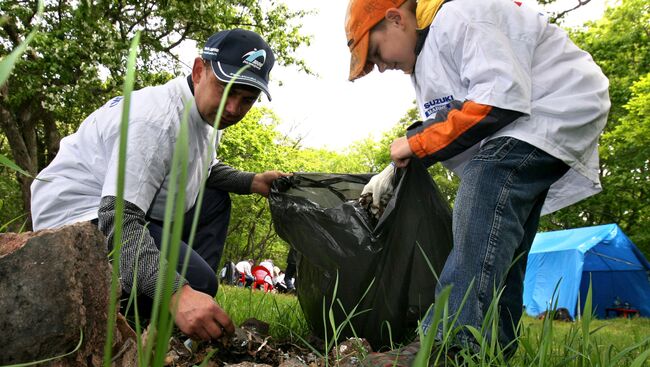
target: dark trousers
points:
(205, 254)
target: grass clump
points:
(582, 343)
(282, 312)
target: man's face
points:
(392, 46)
(208, 91)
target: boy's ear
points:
(394, 16)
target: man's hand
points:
(400, 152)
(380, 186)
(199, 316)
(262, 182)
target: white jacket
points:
(85, 168)
(502, 54)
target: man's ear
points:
(197, 70)
(394, 17)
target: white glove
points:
(380, 185)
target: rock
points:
(350, 352)
(55, 285)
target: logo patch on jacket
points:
(437, 104)
(115, 101)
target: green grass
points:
(608, 338)
(617, 332)
(282, 312)
(587, 342)
(611, 342)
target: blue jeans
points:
(495, 219)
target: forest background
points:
(77, 62)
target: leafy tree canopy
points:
(78, 59)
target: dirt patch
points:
(251, 347)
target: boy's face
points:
(208, 91)
(392, 44)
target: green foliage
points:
(250, 146)
(376, 155)
(77, 61)
(620, 44)
(119, 207)
(282, 312)
(10, 204)
(255, 145)
(587, 342)
(626, 160)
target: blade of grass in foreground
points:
(119, 204)
(8, 62)
(162, 321)
(208, 160)
(9, 163)
(426, 342)
(585, 347)
(6, 67)
(81, 339)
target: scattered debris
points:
(375, 211)
(251, 346)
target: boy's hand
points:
(262, 182)
(380, 185)
(199, 316)
(400, 152)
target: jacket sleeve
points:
(455, 129)
(140, 258)
(228, 179)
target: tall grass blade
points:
(81, 339)
(8, 62)
(628, 350)
(162, 321)
(208, 160)
(426, 258)
(6, 225)
(641, 359)
(206, 360)
(587, 316)
(11, 165)
(119, 204)
(427, 341)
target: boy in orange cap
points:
(513, 107)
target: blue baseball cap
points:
(230, 50)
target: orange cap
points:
(362, 15)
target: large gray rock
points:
(54, 284)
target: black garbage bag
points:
(318, 214)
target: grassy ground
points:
(618, 332)
(282, 312)
(607, 340)
(612, 342)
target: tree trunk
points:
(21, 131)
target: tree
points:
(255, 145)
(376, 155)
(620, 45)
(77, 61)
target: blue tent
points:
(568, 259)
